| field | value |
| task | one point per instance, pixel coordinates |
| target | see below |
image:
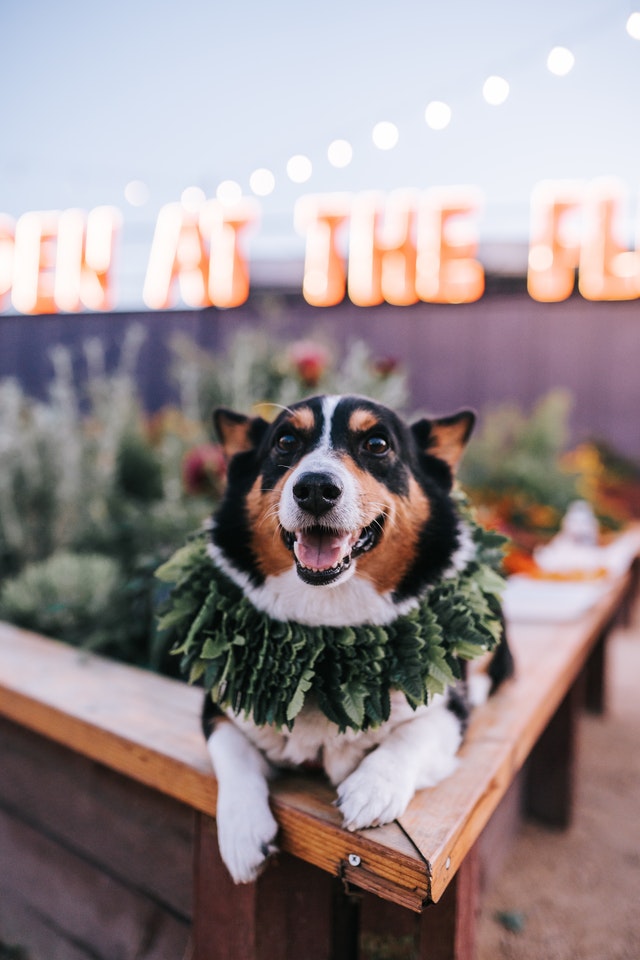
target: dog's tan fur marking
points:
(404, 518)
(302, 419)
(266, 543)
(234, 433)
(449, 438)
(362, 420)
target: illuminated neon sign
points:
(399, 248)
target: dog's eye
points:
(287, 443)
(377, 445)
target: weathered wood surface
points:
(146, 727)
(92, 864)
(139, 836)
(293, 911)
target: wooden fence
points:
(505, 346)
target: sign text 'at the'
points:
(400, 248)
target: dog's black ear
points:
(445, 437)
(237, 432)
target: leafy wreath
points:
(265, 668)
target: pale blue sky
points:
(94, 95)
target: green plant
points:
(256, 370)
(513, 465)
(91, 501)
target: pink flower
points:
(204, 471)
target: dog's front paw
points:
(246, 835)
(377, 792)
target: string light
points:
(136, 193)
(633, 25)
(385, 135)
(192, 198)
(560, 61)
(262, 182)
(495, 90)
(437, 115)
(340, 153)
(228, 191)
(299, 168)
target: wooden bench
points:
(77, 726)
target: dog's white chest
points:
(315, 740)
(354, 601)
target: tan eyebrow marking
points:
(362, 420)
(302, 419)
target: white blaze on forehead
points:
(329, 405)
(346, 515)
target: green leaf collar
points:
(266, 668)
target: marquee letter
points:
(382, 256)
(177, 252)
(33, 262)
(553, 252)
(221, 225)
(446, 268)
(608, 271)
(319, 217)
(84, 256)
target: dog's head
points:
(337, 488)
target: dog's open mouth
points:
(323, 554)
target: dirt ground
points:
(576, 895)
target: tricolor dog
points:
(337, 514)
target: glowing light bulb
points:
(633, 25)
(262, 182)
(385, 135)
(136, 193)
(299, 168)
(340, 153)
(437, 115)
(228, 191)
(560, 61)
(192, 198)
(495, 90)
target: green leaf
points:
(353, 704)
(297, 701)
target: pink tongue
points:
(321, 550)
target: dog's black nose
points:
(317, 492)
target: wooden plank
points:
(595, 687)
(443, 932)
(81, 904)
(287, 914)
(550, 769)
(22, 926)
(139, 836)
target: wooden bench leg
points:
(444, 931)
(549, 784)
(293, 911)
(595, 699)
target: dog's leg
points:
(418, 753)
(246, 826)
